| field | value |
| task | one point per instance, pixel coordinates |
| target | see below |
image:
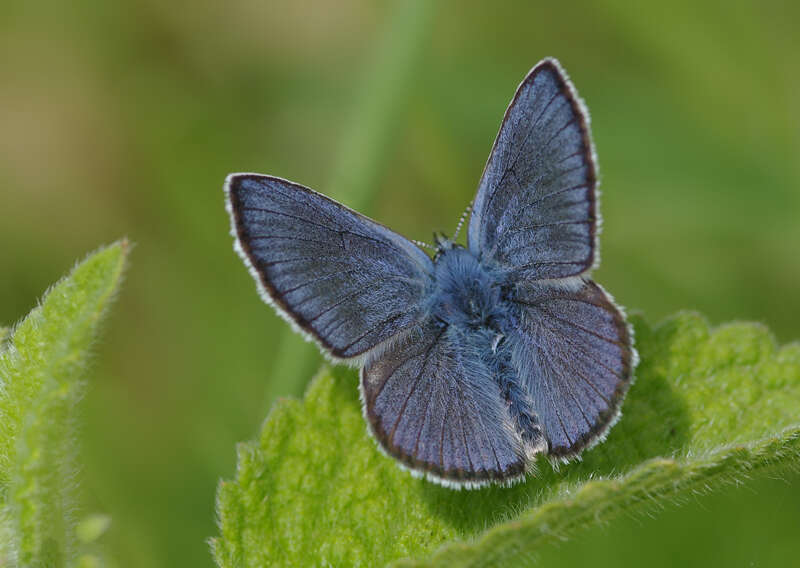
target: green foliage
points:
(41, 383)
(128, 115)
(708, 408)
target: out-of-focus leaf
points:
(41, 383)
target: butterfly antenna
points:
(461, 221)
(423, 245)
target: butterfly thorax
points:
(466, 294)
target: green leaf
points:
(706, 409)
(41, 383)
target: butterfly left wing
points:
(345, 280)
(432, 403)
(573, 353)
(535, 212)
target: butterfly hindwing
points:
(572, 352)
(535, 212)
(433, 404)
(346, 280)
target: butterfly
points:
(482, 358)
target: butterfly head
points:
(443, 243)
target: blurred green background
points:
(124, 118)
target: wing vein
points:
(287, 238)
(521, 148)
(358, 292)
(324, 277)
(582, 328)
(383, 322)
(293, 198)
(416, 383)
(566, 372)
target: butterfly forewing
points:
(348, 281)
(535, 210)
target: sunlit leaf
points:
(707, 409)
(41, 383)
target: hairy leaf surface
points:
(707, 408)
(41, 382)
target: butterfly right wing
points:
(346, 280)
(573, 353)
(535, 213)
(432, 404)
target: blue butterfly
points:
(479, 359)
